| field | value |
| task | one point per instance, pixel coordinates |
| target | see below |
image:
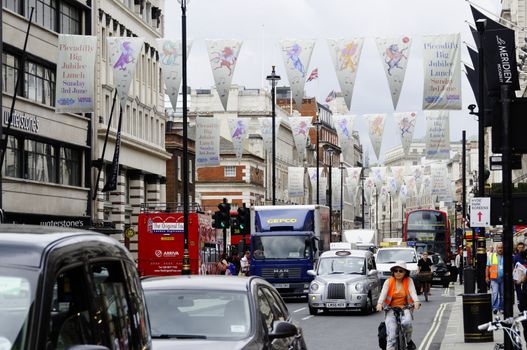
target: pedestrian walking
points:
(494, 275)
(459, 261)
(245, 264)
(424, 274)
(522, 296)
(519, 258)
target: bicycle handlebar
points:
(406, 307)
(493, 325)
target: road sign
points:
(480, 212)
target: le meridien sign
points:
(22, 121)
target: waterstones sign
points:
(22, 121)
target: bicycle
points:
(511, 328)
(401, 343)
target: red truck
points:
(160, 244)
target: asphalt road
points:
(350, 330)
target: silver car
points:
(344, 280)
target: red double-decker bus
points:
(428, 230)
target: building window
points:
(70, 19)
(11, 164)
(13, 5)
(70, 167)
(10, 72)
(39, 161)
(229, 171)
(39, 83)
(44, 14)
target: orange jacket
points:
(391, 289)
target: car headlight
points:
(359, 287)
(447, 273)
(314, 287)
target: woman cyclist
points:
(398, 291)
(424, 273)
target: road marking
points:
(303, 308)
(446, 292)
(307, 317)
(427, 340)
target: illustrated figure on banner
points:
(343, 124)
(240, 130)
(346, 56)
(302, 128)
(377, 126)
(126, 56)
(169, 55)
(394, 55)
(293, 54)
(225, 58)
(407, 125)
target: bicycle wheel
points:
(401, 338)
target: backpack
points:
(232, 269)
(381, 334)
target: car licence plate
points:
(436, 279)
(336, 305)
(281, 285)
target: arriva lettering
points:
(280, 221)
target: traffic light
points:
(225, 214)
(216, 223)
(244, 219)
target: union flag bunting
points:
(313, 75)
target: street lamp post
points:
(362, 177)
(317, 125)
(186, 258)
(341, 196)
(273, 78)
(330, 192)
(376, 209)
(390, 195)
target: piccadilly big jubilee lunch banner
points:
(442, 71)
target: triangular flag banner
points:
(369, 186)
(394, 53)
(344, 126)
(442, 68)
(335, 188)
(437, 135)
(299, 127)
(398, 174)
(238, 129)
(297, 55)
(426, 187)
(417, 172)
(123, 53)
(266, 128)
(403, 193)
(378, 175)
(345, 54)
(352, 181)
(171, 61)
(391, 183)
(376, 129)
(312, 172)
(223, 55)
(406, 126)
(410, 185)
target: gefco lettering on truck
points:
(281, 221)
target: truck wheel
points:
(313, 311)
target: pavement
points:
(454, 337)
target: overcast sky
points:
(261, 24)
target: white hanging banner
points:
(238, 130)
(442, 68)
(312, 173)
(335, 188)
(344, 126)
(406, 124)
(369, 187)
(391, 183)
(378, 174)
(403, 193)
(171, 61)
(384, 197)
(417, 172)
(74, 87)
(207, 142)
(426, 187)
(295, 180)
(345, 54)
(300, 127)
(409, 180)
(266, 129)
(352, 181)
(398, 174)
(323, 185)
(437, 135)
(440, 184)
(223, 55)
(297, 55)
(394, 53)
(123, 53)
(376, 129)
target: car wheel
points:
(368, 309)
(312, 311)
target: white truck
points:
(364, 239)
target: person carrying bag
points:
(424, 274)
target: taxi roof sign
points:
(339, 246)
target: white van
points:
(386, 258)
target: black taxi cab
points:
(65, 288)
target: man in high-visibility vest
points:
(494, 275)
